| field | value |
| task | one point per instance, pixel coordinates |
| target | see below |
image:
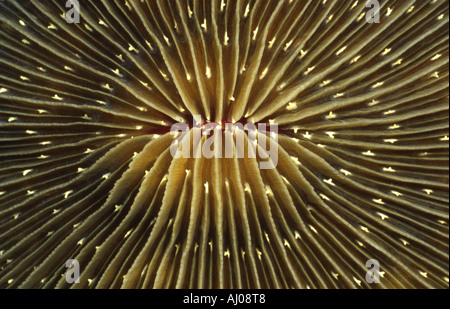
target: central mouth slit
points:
(225, 140)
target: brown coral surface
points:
(86, 171)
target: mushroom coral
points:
(86, 171)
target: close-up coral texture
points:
(356, 191)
